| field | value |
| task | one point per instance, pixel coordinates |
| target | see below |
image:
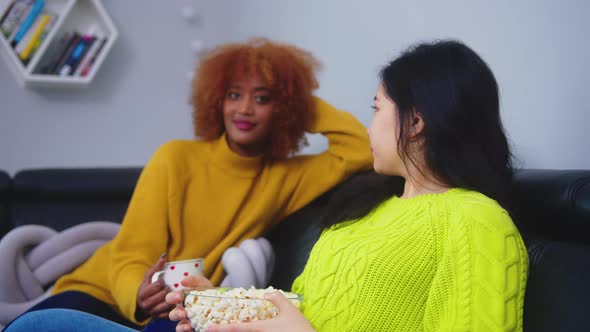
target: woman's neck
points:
(245, 150)
(418, 184)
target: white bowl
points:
(223, 305)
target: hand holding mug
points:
(173, 272)
(151, 297)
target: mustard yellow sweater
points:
(196, 199)
(438, 262)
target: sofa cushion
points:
(558, 287)
(61, 198)
(292, 241)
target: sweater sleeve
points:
(143, 236)
(348, 152)
(480, 281)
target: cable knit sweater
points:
(452, 261)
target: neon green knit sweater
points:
(437, 262)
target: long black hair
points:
(456, 94)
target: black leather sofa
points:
(550, 207)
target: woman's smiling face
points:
(247, 116)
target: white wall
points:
(138, 100)
(537, 49)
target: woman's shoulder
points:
(180, 147)
(475, 207)
(176, 151)
(472, 198)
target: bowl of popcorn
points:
(223, 305)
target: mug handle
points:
(157, 275)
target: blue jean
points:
(68, 320)
(63, 320)
(81, 303)
(160, 325)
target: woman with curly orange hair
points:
(253, 103)
(286, 73)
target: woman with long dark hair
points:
(442, 256)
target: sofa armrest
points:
(552, 204)
(5, 194)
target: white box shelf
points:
(82, 16)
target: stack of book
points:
(25, 24)
(73, 54)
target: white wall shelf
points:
(82, 16)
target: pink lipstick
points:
(243, 125)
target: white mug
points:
(174, 272)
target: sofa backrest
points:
(552, 204)
(546, 204)
(552, 211)
(61, 198)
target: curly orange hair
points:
(289, 73)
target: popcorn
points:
(231, 305)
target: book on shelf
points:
(37, 43)
(20, 21)
(5, 14)
(66, 53)
(13, 17)
(79, 52)
(54, 51)
(18, 47)
(91, 56)
(27, 22)
(25, 47)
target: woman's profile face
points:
(383, 134)
(247, 115)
